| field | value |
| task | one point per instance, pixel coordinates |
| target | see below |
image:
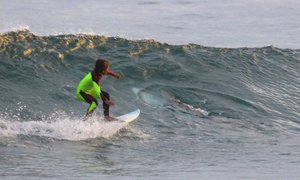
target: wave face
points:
(205, 111)
(39, 75)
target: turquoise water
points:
(217, 100)
(206, 112)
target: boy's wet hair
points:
(101, 65)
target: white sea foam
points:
(65, 128)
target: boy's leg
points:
(105, 106)
(91, 100)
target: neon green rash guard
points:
(88, 86)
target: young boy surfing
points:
(89, 89)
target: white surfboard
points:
(128, 118)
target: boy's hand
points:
(109, 102)
(117, 75)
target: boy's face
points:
(105, 71)
(102, 67)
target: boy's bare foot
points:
(108, 118)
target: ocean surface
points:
(217, 83)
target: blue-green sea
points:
(207, 112)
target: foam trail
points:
(64, 129)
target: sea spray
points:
(65, 128)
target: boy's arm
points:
(116, 75)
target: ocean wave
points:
(255, 84)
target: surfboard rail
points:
(129, 117)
